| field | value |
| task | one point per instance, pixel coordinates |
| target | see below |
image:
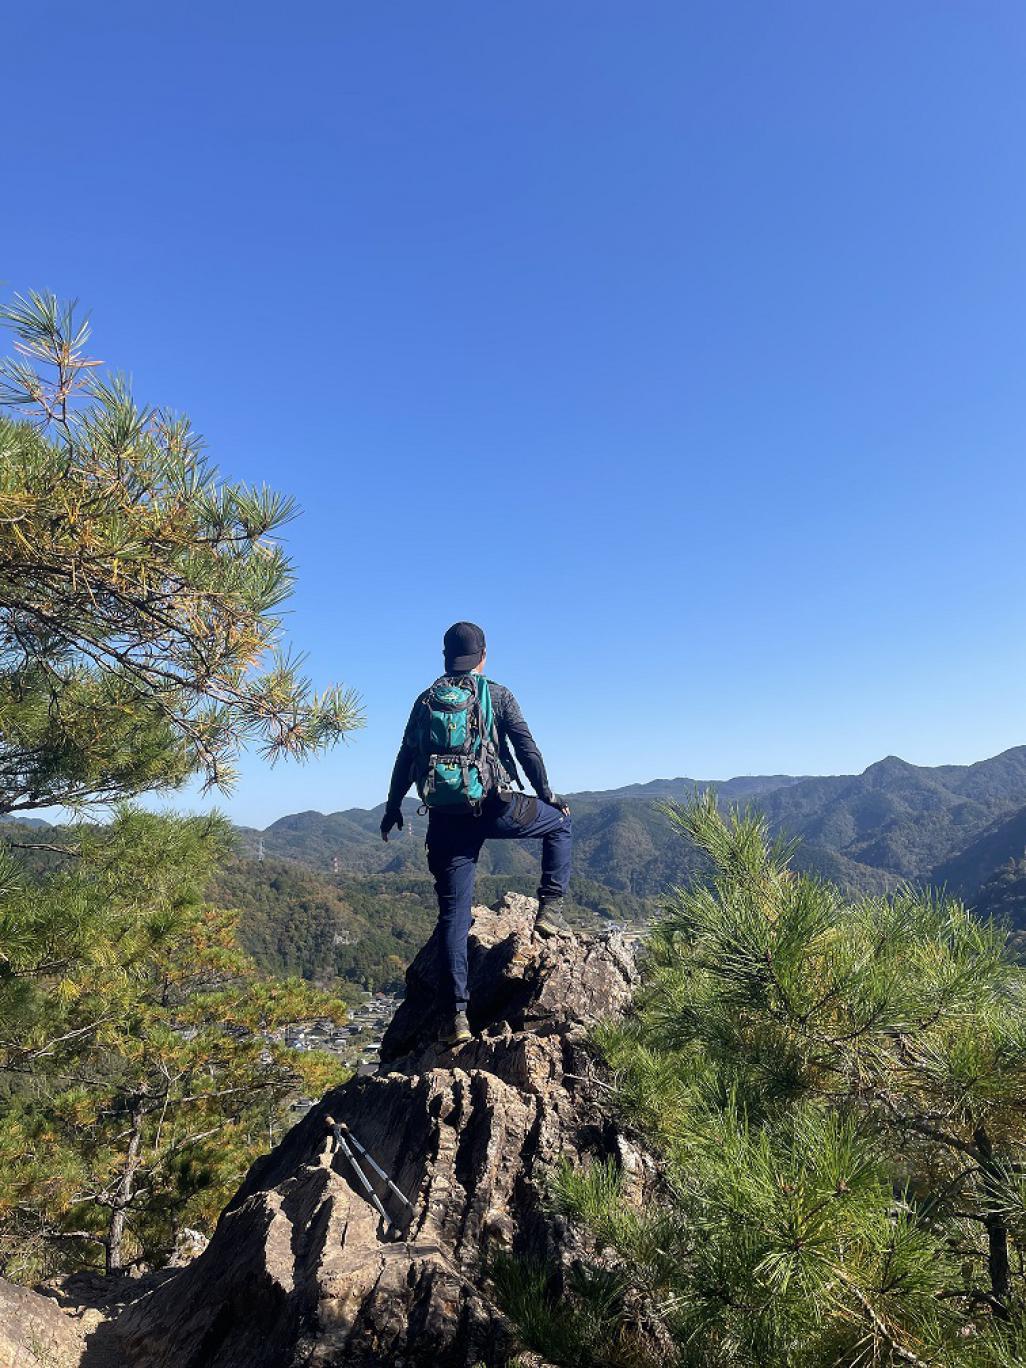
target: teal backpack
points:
(458, 763)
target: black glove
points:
(557, 802)
(390, 820)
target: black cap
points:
(464, 645)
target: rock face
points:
(34, 1331)
(302, 1270)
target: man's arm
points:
(402, 777)
(524, 746)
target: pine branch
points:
(39, 845)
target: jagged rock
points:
(189, 1245)
(105, 1293)
(516, 979)
(302, 1271)
(34, 1331)
(67, 1320)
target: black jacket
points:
(512, 729)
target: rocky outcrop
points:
(34, 1331)
(68, 1320)
(303, 1270)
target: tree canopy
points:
(143, 1072)
(140, 641)
(140, 644)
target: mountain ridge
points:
(322, 895)
(683, 786)
(895, 822)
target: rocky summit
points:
(304, 1269)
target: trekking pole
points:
(375, 1200)
(377, 1168)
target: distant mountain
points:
(331, 899)
(1003, 897)
(738, 790)
(894, 823)
(1002, 843)
(904, 820)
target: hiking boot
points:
(456, 1031)
(550, 920)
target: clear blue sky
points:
(697, 330)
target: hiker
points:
(456, 749)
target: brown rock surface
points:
(302, 1271)
(36, 1333)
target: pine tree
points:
(837, 1092)
(146, 1075)
(139, 646)
(139, 594)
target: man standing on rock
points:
(456, 749)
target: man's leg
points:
(453, 850)
(557, 849)
(529, 819)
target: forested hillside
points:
(297, 921)
(954, 825)
(363, 930)
(331, 901)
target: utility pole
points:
(260, 850)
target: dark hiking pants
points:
(453, 846)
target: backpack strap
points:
(501, 776)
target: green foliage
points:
(136, 1036)
(363, 929)
(297, 921)
(587, 1328)
(139, 645)
(837, 1093)
(1002, 898)
(139, 594)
